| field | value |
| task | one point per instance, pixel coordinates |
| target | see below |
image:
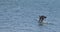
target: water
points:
(23, 15)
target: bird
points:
(41, 18)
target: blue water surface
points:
(23, 15)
